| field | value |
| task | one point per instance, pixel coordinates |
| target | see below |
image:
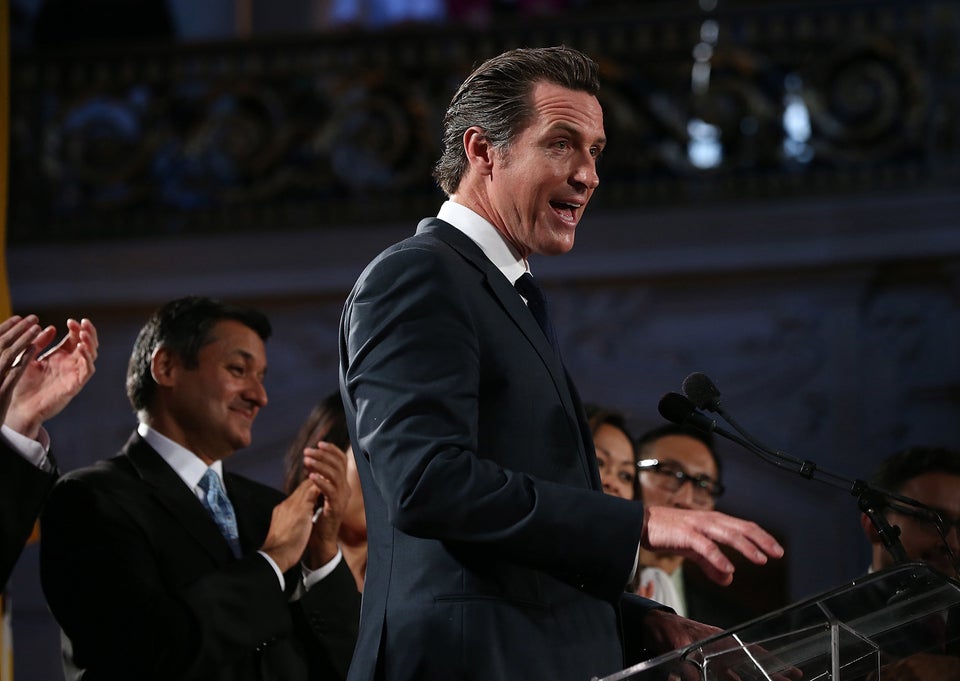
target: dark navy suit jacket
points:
(493, 552)
(25, 487)
(145, 587)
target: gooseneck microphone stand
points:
(701, 393)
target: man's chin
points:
(558, 246)
(241, 441)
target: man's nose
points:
(586, 174)
(683, 497)
(256, 392)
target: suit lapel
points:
(515, 308)
(169, 490)
(502, 290)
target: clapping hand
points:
(36, 387)
(326, 467)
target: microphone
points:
(678, 409)
(702, 392)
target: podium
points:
(857, 632)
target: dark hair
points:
(651, 436)
(327, 421)
(896, 470)
(496, 98)
(183, 326)
(599, 416)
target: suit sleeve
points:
(633, 611)
(327, 618)
(107, 584)
(413, 372)
(24, 490)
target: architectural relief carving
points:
(744, 102)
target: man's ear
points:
(163, 366)
(478, 149)
(868, 529)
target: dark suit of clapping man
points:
(139, 574)
(493, 552)
(34, 387)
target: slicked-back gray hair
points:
(496, 97)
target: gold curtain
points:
(5, 306)
(6, 640)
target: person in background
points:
(326, 426)
(616, 453)
(930, 475)
(679, 467)
(494, 553)
(35, 386)
(159, 565)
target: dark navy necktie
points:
(527, 287)
(215, 500)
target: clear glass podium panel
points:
(867, 630)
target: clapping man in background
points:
(159, 565)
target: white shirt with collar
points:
(190, 469)
(485, 235)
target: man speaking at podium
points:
(494, 553)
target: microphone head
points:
(702, 391)
(675, 408)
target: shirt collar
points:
(485, 235)
(185, 463)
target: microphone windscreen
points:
(701, 391)
(675, 407)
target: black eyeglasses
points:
(934, 519)
(671, 477)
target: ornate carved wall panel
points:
(753, 100)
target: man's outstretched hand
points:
(698, 534)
